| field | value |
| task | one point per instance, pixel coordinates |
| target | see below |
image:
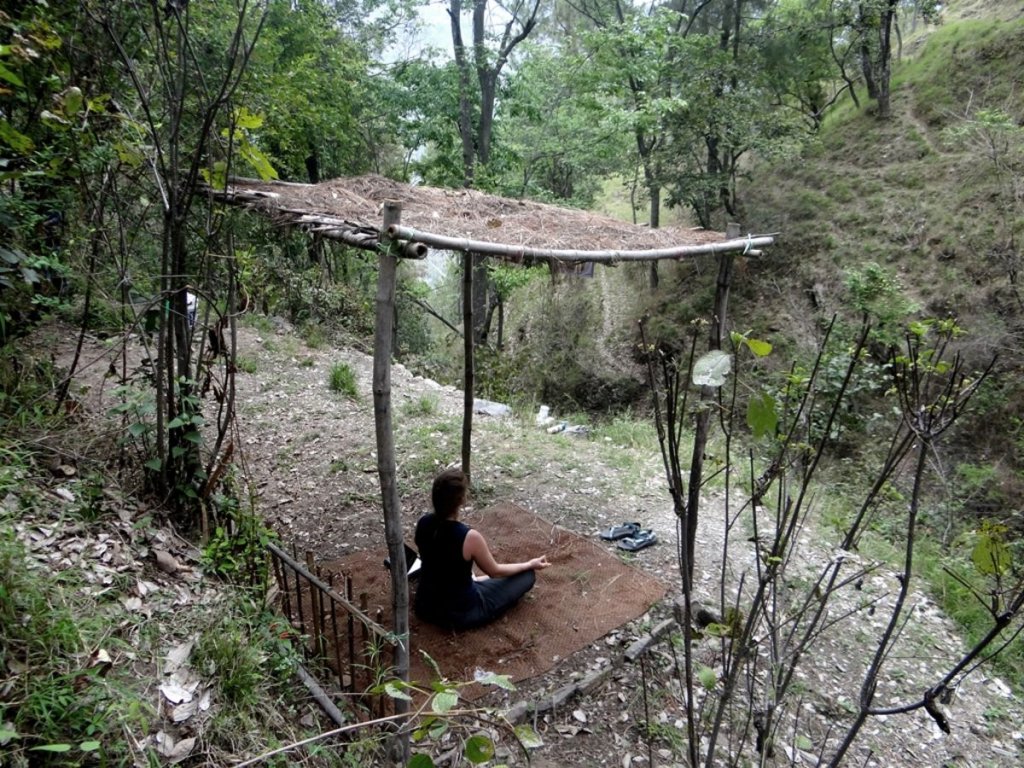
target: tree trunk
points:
(875, 25)
(487, 77)
(654, 212)
(465, 108)
(386, 467)
(885, 60)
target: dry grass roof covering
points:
(356, 203)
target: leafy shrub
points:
(878, 294)
(235, 662)
(238, 547)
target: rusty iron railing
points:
(331, 628)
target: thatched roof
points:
(350, 210)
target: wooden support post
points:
(315, 607)
(386, 464)
(351, 687)
(725, 263)
(468, 341)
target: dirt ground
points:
(311, 457)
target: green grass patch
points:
(952, 581)
(628, 432)
(342, 379)
(314, 335)
(260, 323)
(962, 62)
(246, 364)
(422, 407)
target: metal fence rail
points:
(331, 628)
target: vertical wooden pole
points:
(468, 337)
(725, 262)
(315, 607)
(386, 466)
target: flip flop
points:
(620, 531)
(641, 540)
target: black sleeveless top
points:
(446, 590)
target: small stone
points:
(165, 561)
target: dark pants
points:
(495, 596)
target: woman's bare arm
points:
(475, 548)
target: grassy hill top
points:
(932, 197)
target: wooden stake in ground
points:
(388, 267)
(469, 339)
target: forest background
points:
(882, 140)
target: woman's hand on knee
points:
(539, 563)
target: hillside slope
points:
(921, 216)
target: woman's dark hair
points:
(448, 492)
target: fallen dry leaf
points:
(181, 750)
(132, 603)
(185, 710)
(175, 692)
(178, 655)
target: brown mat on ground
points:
(585, 593)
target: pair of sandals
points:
(630, 536)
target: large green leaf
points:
(72, 101)
(444, 701)
(707, 677)
(60, 748)
(420, 761)
(19, 142)
(247, 120)
(528, 737)
(712, 368)
(393, 688)
(990, 555)
(491, 678)
(10, 77)
(758, 347)
(761, 416)
(259, 161)
(479, 749)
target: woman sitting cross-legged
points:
(448, 594)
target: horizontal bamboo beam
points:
(417, 241)
(464, 245)
(322, 225)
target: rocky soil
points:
(310, 456)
